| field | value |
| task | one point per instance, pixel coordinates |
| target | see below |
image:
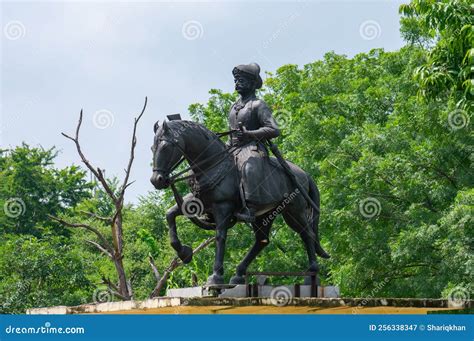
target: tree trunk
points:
(118, 256)
(123, 285)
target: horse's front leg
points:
(223, 213)
(185, 253)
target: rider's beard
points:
(244, 90)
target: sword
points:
(286, 167)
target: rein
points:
(225, 133)
(176, 177)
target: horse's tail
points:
(314, 195)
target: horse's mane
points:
(208, 134)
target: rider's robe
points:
(251, 155)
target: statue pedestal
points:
(242, 290)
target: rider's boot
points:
(246, 214)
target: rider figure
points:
(253, 120)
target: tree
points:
(114, 250)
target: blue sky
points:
(58, 57)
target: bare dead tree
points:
(175, 263)
(114, 250)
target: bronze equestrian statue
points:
(237, 181)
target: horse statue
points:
(215, 186)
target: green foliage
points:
(41, 272)
(31, 188)
(38, 264)
(449, 68)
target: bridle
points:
(177, 177)
(181, 159)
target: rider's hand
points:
(242, 134)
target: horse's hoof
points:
(314, 267)
(185, 254)
(237, 280)
(215, 280)
(307, 281)
(325, 255)
(321, 253)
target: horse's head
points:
(168, 147)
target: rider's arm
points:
(268, 126)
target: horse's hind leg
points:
(261, 228)
(299, 222)
(223, 213)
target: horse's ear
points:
(156, 126)
(164, 126)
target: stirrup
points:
(245, 215)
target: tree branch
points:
(109, 283)
(107, 220)
(132, 153)
(113, 288)
(175, 263)
(154, 268)
(101, 248)
(97, 173)
(104, 241)
(117, 219)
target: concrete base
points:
(213, 305)
(241, 291)
(108, 307)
